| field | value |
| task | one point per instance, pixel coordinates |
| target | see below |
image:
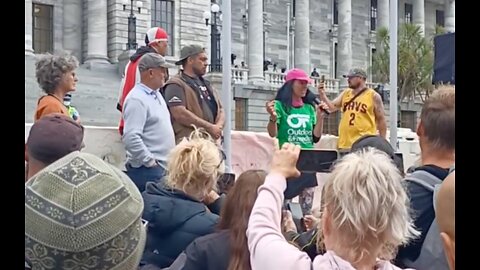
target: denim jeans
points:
(141, 175)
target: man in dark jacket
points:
(175, 220)
(436, 136)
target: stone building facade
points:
(329, 35)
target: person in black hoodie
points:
(184, 206)
(227, 248)
(156, 41)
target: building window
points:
(240, 114)
(373, 15)
(408, 13)
(440, 18)
(408, 119)
(372, 56)
(293, 7)
(335, 12)
(335, 57)
(42, 28)
(163, 16)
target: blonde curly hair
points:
(195, 164)
(367, 206)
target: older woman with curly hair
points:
(56, 76)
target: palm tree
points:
(415, 62)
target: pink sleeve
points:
(268, 248)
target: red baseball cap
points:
(156, 34)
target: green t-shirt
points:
(297, 126)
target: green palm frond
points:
(415, 61)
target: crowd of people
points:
(165, 211)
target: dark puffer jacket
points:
(175, 220)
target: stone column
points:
(383, 14)
(72, 27)
(97, 32)
(28, 28)
(450, 15)
(302, 35)
(383, 19)
(344, 59)
(255, 41)
(419, 14)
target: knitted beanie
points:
(82, 213)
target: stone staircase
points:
(95, 97)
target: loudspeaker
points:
(444, 63)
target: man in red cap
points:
(156, 41)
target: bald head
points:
(446, 206)
(446, 217)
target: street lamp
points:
(132, 24)
(215, 36)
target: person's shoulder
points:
(387, 265)
(328, 259)
(50, 104)
(48, 99)
(436, 171)
(213, 238)
(277, 104)
(205, 80)
(174, 82)
(415, 189)
(309, 106)
(175, 79)
(346, 92)
(135, 93)
(372, 92)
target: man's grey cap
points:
(188, 51)
(356, 72)
(152, 60)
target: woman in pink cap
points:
(295, 120)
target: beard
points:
(200, 71)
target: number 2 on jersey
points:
(352, 118)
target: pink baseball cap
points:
(297, 74)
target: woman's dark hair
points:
(236, 213)
(284, 95)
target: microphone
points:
(313, 99)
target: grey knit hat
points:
(82, 213)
